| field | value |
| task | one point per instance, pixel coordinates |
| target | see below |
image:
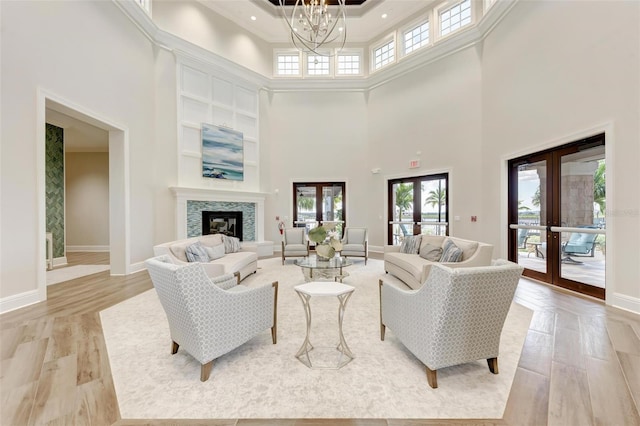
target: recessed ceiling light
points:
(384, 16)
(253, 18)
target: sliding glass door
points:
(417, 205)
(557, 215)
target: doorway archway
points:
(118, 181)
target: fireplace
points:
(226, 223)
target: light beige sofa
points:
(413, 270)
(244, 261)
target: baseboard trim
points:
(59, 261)
(17, 301)
(628, 303)
(137, 267)
(88, 248)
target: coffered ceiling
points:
(365, 22)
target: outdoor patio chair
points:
(579, 244)
(523, 236)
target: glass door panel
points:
(434, 207)
(531, 196)
(332, 207)
(402, 212)
(582, 213)
(306, 207)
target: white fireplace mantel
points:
(183, 195)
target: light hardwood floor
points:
(580, 364)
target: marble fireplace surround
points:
(183, 195)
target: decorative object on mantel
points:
(327, 242)
(313, 26)
(222, 153)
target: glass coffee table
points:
(314, 269)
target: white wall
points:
(87, 200)
(89, 54)
(165, 149)
(313, 136)
(435, 111)
(556, 69)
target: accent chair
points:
(455, 317)
(294, 243)
(355, 243)
(211, 317)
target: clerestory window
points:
(317, 65)
(416, 37)
(349, 64)
(288, 64)
(384, 55)
(455, 17)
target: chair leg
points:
(382, 326)
(205, 371)
(432, 377)
(493, 365)
(174, 347)
(274, 329)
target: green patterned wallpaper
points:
(54, 170)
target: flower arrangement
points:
(327, 241)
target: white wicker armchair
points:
(210, 317)
(455, 317)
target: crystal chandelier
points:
(313, 25)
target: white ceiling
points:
(364, 22)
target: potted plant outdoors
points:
(327, 242)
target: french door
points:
(319, 203)
(417, 205)
(557, 215)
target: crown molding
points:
(441, 49)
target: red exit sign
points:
(414, 164)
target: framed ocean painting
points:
(222, 153)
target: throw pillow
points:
(231, 244)
(430, 252)
(196, 253)
(451, 252)
(215, 252)
(411, 244)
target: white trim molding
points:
(88, 248)
(20, 300)
(628, 303)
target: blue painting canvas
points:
(222, 153)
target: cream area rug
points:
(71, 272)
(262, 380)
